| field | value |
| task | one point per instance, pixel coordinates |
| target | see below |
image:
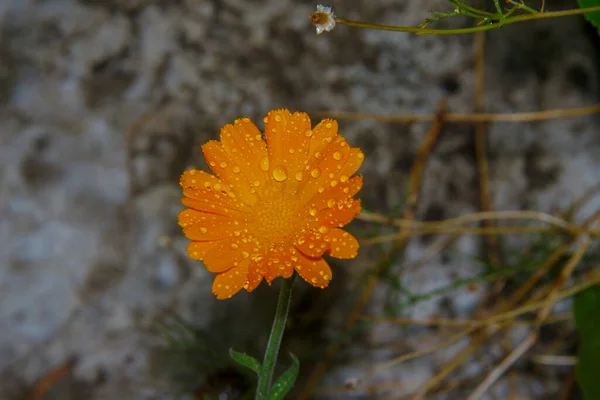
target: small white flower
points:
(323, 19)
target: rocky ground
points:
(103, 103)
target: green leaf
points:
(245, 360)
(593, 17)
(286, 381)
(586, 308)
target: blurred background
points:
(103, 103)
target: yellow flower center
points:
(276, 219)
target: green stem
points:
(265, 377)
(428, 31)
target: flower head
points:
(323, 19)
(273, 207)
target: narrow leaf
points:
(245, 360)
(286, 381)
(586, 308)
(593, 17)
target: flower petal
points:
(323, 134)
(217, 256)
(205, 192)
(323, 170)
(201, 226)
(338, 216)
(256, 273)
(315, 271)
(341, 244)
(311, 243)
(353, 162)
(228, 283)
(331, 196)
(244, 143)
(279, 263)
(229, 171)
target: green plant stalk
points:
(265, 378)
(428, 31)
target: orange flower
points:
(275, 206)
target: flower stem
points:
(506, 21)
(265, 377)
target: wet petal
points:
(256, 273)
(315, 271)
(244, 143)
(311, 243)
(323, 134)
(279, 263)
(332, 195)
(224, 167)
(338, 216)
(228, 283)
(200, 226)
(341, 244)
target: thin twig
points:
(534, 116)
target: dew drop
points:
(343, 178)
(337, 156)
(236, 169)
(328, 125)
(360, 155)
(223, 164)
(256, 183)
(312, 212)
(245, 254)
(234, 246)
(308, 133)
(291, 151)
(206, 184)
(330, 203)
(203, 229)
(323, 229)
(264, 164)
(213, 164)
(299, 176)
(278, 118)
(279, 174)
(334, 183)
(217, 186)
(315, 173)
(318, 154)
(192, 172)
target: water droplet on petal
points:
(323, 229)
(299, 176)
(223, 164)
(217, 186)
(315, 173)
(278, 118)
(308, 133)
(328, 125)
(256, 183)
(343, 178)
(264, 164)
(334, 183)
(236, 169)
(330, 203)
(337, 156)
(203, 229)
(360, 155)
(279, 174)
(312, 212)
